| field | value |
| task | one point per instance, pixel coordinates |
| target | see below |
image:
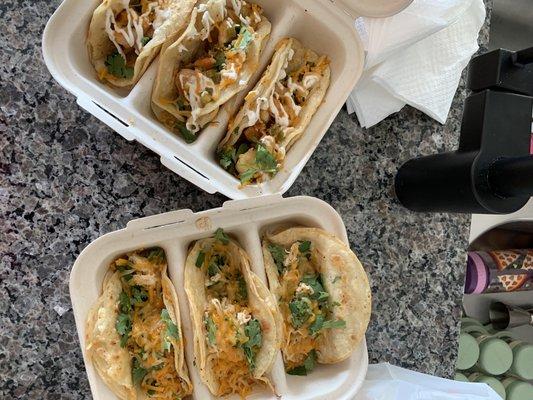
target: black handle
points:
(523, 57)
(512, 177)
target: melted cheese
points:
(148, 330)
(229, 316)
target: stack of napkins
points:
(415, 57)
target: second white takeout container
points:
(326, 26)
(246, 221)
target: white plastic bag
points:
(387, 382)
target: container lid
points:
(372, 8)
(468, 351)
(523, 361)
(460, 377)
(519, 390)
(495, 356)
(494, 384)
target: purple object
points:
(477, 274)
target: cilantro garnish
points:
(304, 247)
(145, 40)
(172, 331)
(242, 292)
(116, 65)
(123, 322)
(244, 39)
(221, 236)
(156, 255)
(252, 330)
(186, 134)
(278, 254)
(211, 330)
(138, 295)
(226, 157)
(336, 279)
(137, 371)
(306, 367)
(264, 162)
(320, 323)
(300, 311)
(200, 260)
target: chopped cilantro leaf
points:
(145, 40)
(172, 331)
(336, 324)
(242, 292)
(278, 255)
(300, 311)
(116, 65)
(186, 134)
(221, 236)
(138, 294)
(211, 330)
(306, 367)
(156, 255)
(243, 148)
(226, 157)
(123, 322)
(320, 323)
(336, 279)
(137, 371)
(248, 175)
(244, 39)
(200, 260)
(304, 247)
(252, 330)
(314, 281)
(264, 162)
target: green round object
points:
(494, 384)
(460, 377)
(495, 356)
(522, 361)
(519, 390)
(468, 351)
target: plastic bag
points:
(387, 382)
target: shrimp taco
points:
(275, 113)
(208, 64)
(126, 35)
(133, 335)
(236, 336)
(323, 295)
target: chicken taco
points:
(208, 64)
(133, 335)
(236, 337)
(126, 35)
(323, 295)
(275, 113)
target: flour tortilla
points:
(281, 60)
(343, 278)
(99, 45)
(261, 302)
(112, 362)
(180, 51)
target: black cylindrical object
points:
(496, 126)
(512, 177)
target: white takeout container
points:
(326, 26)
(246, 221)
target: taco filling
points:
(274, 114)
(233, 333)
(306, 306)
(145, 327)
(130, 29)
(216, 57)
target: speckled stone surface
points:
(66, 179)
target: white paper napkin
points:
(415, 58)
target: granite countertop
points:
(66, 179)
